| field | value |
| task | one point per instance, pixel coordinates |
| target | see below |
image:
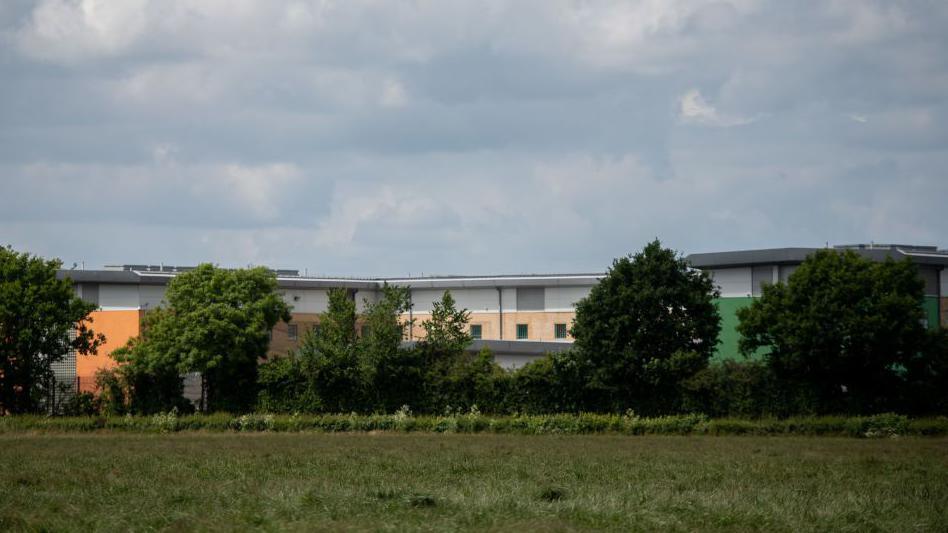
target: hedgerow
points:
(875, 426)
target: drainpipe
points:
(500, 306)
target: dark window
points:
(559, 331)
(365, 331)
(292, 331)
(522, 331)
(475, 331)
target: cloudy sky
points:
(387, 138)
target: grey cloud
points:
(365, 138)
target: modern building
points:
(519, 317)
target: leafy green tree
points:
(41, 320)
(446, 331)
(649, 324)
(329, 356)
(842, 331)
(149, 376)
(218, 323)
(395, 372)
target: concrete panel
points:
(531, 299)
(564, 298)
(510, 301)
(930, 275)
(365, 298)
(307, 300)
(786, 271)
(733, 282)
(151, 296)
(118, 297)
(760, 276)
(476, 300)
(423, 299)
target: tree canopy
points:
(218, 323)
(647, 325)
(843, 330)
(41, 320)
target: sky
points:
(371, 138)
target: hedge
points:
(882, 425)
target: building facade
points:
(519, 318)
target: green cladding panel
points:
(931, 311)
(728, 339)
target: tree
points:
(446, 331)
(396, 373)
(41, 320)
(329, 357)
(646, 326)
(842, 331)
(218, 323)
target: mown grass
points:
(413, 481)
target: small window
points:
(364, 330)
(316, 329)
(522, 331)
(476, 331)
(559, 331)
(292, 331)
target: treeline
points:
(844, 335)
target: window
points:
(316, 330)
(292, 331)
(559, 331)
(364, 330)
(475, 331)
(522, 331)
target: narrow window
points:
(364, 330)
(521, 331)
(475, 331)
(292, 331)
(559, 331)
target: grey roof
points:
(304, 282)
(789, 256)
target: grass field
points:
(224, 481)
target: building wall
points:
(540, 324)
(118, 327)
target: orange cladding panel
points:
(118, 327)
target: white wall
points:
(118, 297)
(564, 298)
(733, 281)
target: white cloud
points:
(694, 109)
(72, 30)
